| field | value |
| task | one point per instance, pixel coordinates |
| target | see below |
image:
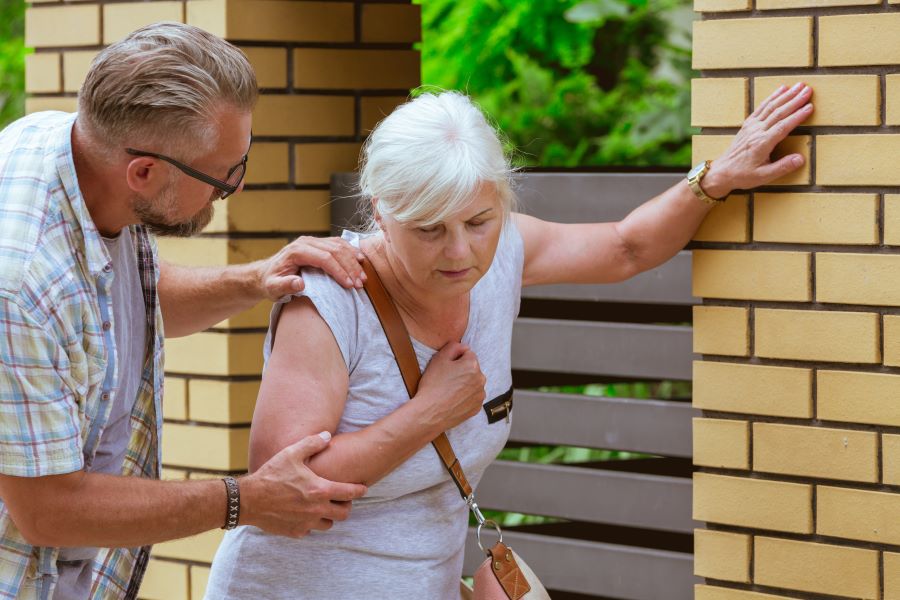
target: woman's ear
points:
(379, 220)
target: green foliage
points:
(569, 82)
(12, 60)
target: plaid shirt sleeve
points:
(39, 422)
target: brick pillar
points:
(328, 72)
(797, 451)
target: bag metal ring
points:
(478, 533)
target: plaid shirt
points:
(57, 354)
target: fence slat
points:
(651, 426)
(607, 570)
(583, 494)
(588, 197)
(669, 283)
(615, 349)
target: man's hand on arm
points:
(283, 497)
(193, 299)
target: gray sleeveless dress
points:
(405, 539)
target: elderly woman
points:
(453, 256)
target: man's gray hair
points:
(163, 85)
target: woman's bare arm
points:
(304, 391)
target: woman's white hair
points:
(429, 157)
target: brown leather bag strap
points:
(398, 338)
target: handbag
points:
(503, 575)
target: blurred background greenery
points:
(569, 82)
(12, 60)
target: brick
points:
(757, 503)
(892, 219)
(872, 279)
(211, 353)
(719, 102)
(815, 452)
(756, 275)
(721, 330)
(202, 447)
(274, 20)
(753, 389)
(199, 581)
(892, 100)
(722, 555)
(721, 443)
(199, 548)
(43, 73)
(202, 476)
(816, 218)
(165, 580)
(270, 65)
(121, 19)
(868, 40)
(850, 337)
(811, 567)
(890, 449)
(855, 397)
(175, 398)
(304, 115)
(396, 23)
(709, 592)
(858, 514)
(212, 252)
(891, 576)
(315, 163)
(71, 25)
(752, 43)
(838, 99)
(268, 163)
(41, 103)
(783, 4)
(721, 5)
(215, 401)
(294, 211)
(857, 159)
(320, 68)
(374, 108)
(892, 340)
(727, 223)
(258, 316)
(709, 147)
(173, 474)
(76, 65)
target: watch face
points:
(696, 170)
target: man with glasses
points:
(163, 131)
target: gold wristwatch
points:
(694, 177)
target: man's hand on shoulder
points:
(279, 275)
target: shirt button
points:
(106, 325)
(107, 268)
(104, 396)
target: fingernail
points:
(797, 85)
(349, 281)
(359, 283)
(325, 436)
(364, 276)
(797, 161)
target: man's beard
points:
(155, 214)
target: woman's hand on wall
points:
(748, 161)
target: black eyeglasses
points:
(226, 188)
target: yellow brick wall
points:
(328, 71)
(797, 451)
